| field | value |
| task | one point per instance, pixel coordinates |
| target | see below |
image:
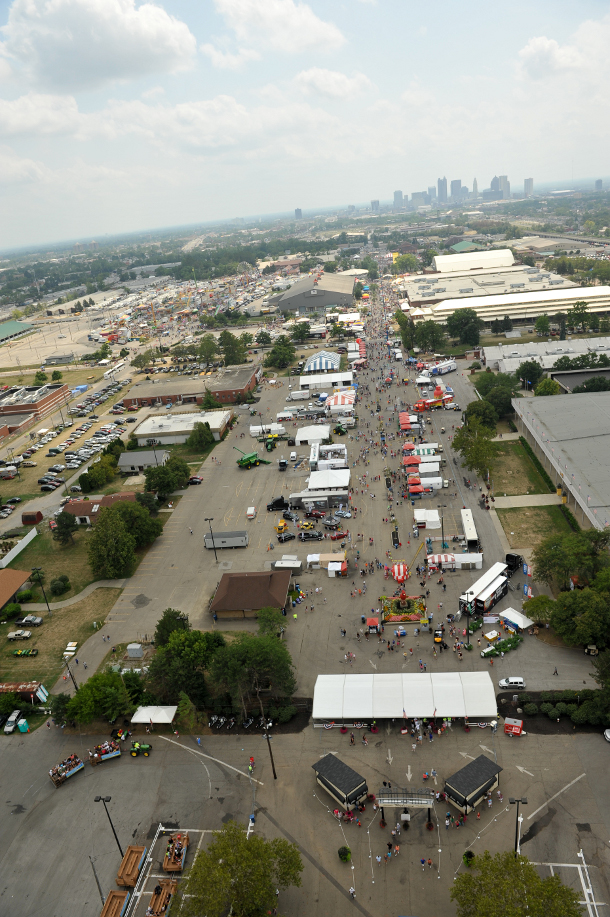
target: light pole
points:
(37, 571)
(210, 520)
(104, 800)
(494, 729)
(523, 801)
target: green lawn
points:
(525, 527)
(515, 473)
(56, 559)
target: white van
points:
(514, 683)
(251, 512)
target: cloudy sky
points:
(117, 115)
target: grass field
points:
(71, 377)
(56, 559)
(525, 527)
(74, 623)
(515, 473)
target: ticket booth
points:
(513, 727)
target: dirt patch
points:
(515, 472)
(525, 527)
(74, 623)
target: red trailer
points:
(513, 727)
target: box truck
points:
(225, 540)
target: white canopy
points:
(429, 517)
(163, 715)
(364, 697)
(516, 617)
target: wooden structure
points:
(468, 787)
(116, 904)
(131, 865)
(340, 781)
(64, 770)
(175, 853)
(160, 902)
(105, 752)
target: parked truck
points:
(298, 396)
(225, 540)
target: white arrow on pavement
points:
(485, 748)
(523, 770)
(408, 774)
(373, 664)
(390, 758)
(464, 755)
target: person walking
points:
(352, 739)
(423, 864)
(447, 823)
(378, 858)
(429, 863)
(554, 673)
(352, 892)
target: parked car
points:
(195, 479)
(330, 524)
(342, 514)
(287, 536)
(310, 536)
(52, 524)
(14, 500)
(19, 635)
(29, 621)
(315, 514)
(290, 516)
(11, 723)
(337, 536)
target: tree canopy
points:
(66, 528)
(233, 349)
(560, 556)
(429, 336)
(181, 663)
(547, 387)
(138, 522)
(281, 354)
(111, 551)
(482, 412)
(473, 442)
(530, 373)
(240, 874)
(170, 621)
(163, 479)
(465, 325)
(251, 664)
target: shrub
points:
(12, 610)
(525, 698)
(562, 709)
(552, 712)
(25, 596)
(530, 709)
(568, 696)
(345, 854)
(571, 709)
(286, 714)
(544, 708)
(546, 696)
(60, 585)
(274, 713)
(579, 716)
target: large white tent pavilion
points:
(362, 698)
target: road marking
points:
(408, 775)
(195, 751)
(567, 787)
(490, 750)
(523, 770)
(464, 755)
(390, 757)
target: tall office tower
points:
(599, 185)
(475, 189)
(528, 186)
(442, 190)
(432, 192)
(398, 198)
(375, 206)
(298, 213)
(504, 187)
(495, 183)
(456, 189)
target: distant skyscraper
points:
(528, 186)
(432, 192)
(504, 187)
(398, 198)
(442, 190)
(298, 213)
(599, 185)
(475, 189)
(495, 183)
(375, 206)
(456, 189)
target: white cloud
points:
(543, 57)
(82, 44)
(282, 24)
(331, 83)
(15, 170)
(39, 114)
(224, 60)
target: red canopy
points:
(372, 622)
(411, 460)
(408, 447)
(400, 572)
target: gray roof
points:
(569, 379)
(167, 386)
(140, 457)
(473, 776)
(338, 773)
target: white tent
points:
(354, 698)
(329, 479)
(160, 715)
(428, 517)
(517, 618)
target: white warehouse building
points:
(469, 261)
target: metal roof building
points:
(523, 306)
(306, 296)
(571, 434)
(13, 329)
(498, 257)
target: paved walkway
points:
(505, 436)
(518, 500)
(100, 584)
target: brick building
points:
(36, 400)
(228, 386)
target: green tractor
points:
(140, 748)
(250, 459)
(340, 430)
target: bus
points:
(470, 532)
(110, 373)
(487, 590)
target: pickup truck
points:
(29, 621)
(20, 635)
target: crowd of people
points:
(65, 767)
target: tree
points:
(473, 442)
(428, 256)
(66, 527)
(429, 336)
(300, 332)
(201, 437)
(582, 617)
(233, 350)
(208, 348)
(596, 384)
(263, 338)
(488, 381)
(149, 501)
(56, 375)
(171, 620)
(547, 387)
(123, 352)
(482, 412)
(539, 608)
(210, 402)
(103, 695)
(111, 549)
(246, 338)
(500, 399)
(579, 314)
(465, 325)
(530, 373)
(240, 875)
(270, 622)
(582, 554)
(40, 378)
(543, 325)
(163, 479)
(405, 263)
(99, 474)
(358, 288)
(180, 665)
(330, 267)
(139, 522)
(507, 886)
(281, 354)
(250, 665)
(186, 713)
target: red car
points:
(338, 536)
(52, 524)
(315, 514)
(195, 479)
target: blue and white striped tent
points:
(323, 361)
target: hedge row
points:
(592, 710)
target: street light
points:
(210, 520)
(523, 801)
(104, 800)
(37, 571)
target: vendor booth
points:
(468, 787)
(151, 715)
(514, 621)
(372, 625)
(400, 572)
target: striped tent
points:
(400, 572)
